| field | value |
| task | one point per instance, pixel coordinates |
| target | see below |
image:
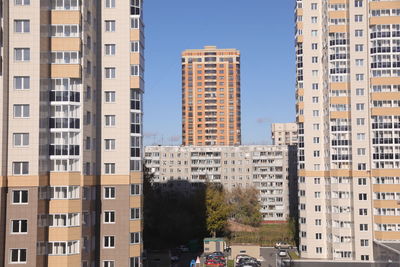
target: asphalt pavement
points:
(271, 258)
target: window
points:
(359, 92)
(109, 49)
(361, 136)
(22, 54)
(135, 47)
(364, 242)
(358, 18)
(22, 2)
(314, 6)
(20, 168)
(109, 216)
(359, 47)
(361, 152)
(360, 121)
(362, 166)
(21, 111)
(110, 4)
(314, 59)
(362, 181)
(317, 180)
(21, 26)
(360, 106)
(315, 99)
(135, 213)
(20, 197)
(135, 238)
(314, 33)
(110, 96)
(136, 70)
(65, 4)
(63, 220)
(315, 113)
(110, 25)
(135, 23)
(109, 144)
(315, 86)
(109, 242)
(359, 77)
(317, 208)
(19, 226)
(63, 248)
(362, 196)
(108, 263)
(318, 250)
(109, 168)
(359, 62)
(314, 46)
(314, 19)
(358, 33)
(109, 192)
(318, 222)
(110, 120)
(18, 255)
(134, 262)
(22, 83)
(364, 227)
(365, 257)
(64, 192)
(136, 189)
(363, 212)
(358, 3)
(65, 30)
(110, 73)
(21, 139)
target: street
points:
(271, 257)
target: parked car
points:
(282, 253)
(283, 245)
(238, 257)
(214, 262)
(248, 261)
(216, 256)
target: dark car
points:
(248, 261)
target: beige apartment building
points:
(270, 169)
(211, 97)
(284, 133)
(348, 117)
(71, 82)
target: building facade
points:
(71, 84)
(270, 169)
(348, 84)
(211, 97)
(284, 134)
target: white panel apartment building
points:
(265, 167)
(348, 115)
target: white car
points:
(282, 245)
(282, 253)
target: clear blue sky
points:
(261, 29)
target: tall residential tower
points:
(71, 78)
(348, 115)
(211, 97)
